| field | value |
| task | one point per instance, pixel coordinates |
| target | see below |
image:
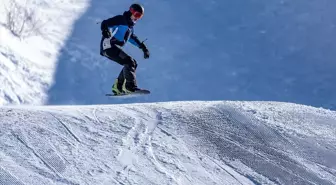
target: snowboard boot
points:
(128, 89)
(117, 87)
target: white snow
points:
(27, 64)
(265, 50)
(182, 143)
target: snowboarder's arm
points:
(106, 24)
(135, 40)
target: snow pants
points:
(128, 72)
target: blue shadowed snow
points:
(218, 50)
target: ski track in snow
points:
(168, 143)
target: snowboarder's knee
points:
(131, 62)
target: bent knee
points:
(131, 62)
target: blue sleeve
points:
(134, 40)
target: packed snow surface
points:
(196, 143)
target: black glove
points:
(145, 50)
(146, 53)
(106, 33)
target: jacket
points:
(122, 31)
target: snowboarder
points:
(116, 32)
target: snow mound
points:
(168, 143)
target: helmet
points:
(137, 10)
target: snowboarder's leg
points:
(129, 73)
(118, 83)
(121, 76)
(127, 77)
(114, 55)
(117, 87)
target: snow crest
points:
(168, 143)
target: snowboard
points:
(136, 93)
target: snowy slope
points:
(27, 64)
(183, 143)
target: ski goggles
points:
(136, 14)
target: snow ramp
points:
(171, 143)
